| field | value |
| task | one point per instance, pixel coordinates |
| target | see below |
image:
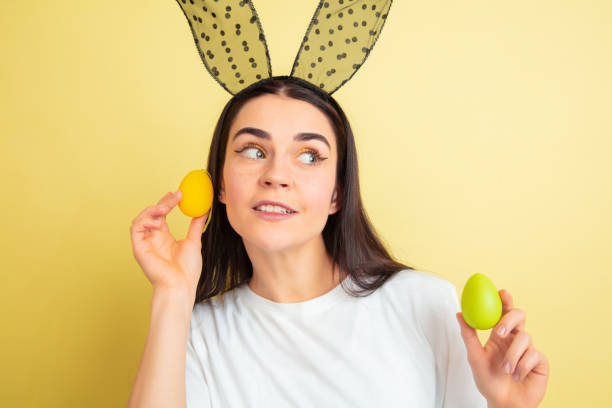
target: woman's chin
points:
(272, 245)
(266, 241)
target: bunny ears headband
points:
(231, 42)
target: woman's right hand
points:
(168, 263)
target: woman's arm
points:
(160, 381)
(173, 268)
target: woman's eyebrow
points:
(265, 135)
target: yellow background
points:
(483, 132)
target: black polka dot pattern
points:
(230, 41)
(338, 41)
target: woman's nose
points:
(271, 183)
(276, 173)
(275, 179)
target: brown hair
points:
(349, 236)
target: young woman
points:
(289, 298)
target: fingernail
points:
(507, 367)
(501, 330)
(516, 376)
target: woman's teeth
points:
(273, 208)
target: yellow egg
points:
(481, 305)
(198, 193)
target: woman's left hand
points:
(525, 383)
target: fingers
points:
(196, 228)
(143, 229)
(163, 207)
(171, 198)
(153, 217)
(519, 346)
(530, 360)
(470, 338)
(507, 302)
(514, 320)
(153, 223)
(167, 203)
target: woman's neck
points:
(295, 274)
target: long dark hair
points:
(349, 236)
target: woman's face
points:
(267, 159)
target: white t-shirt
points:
(401, 346)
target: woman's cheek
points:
(319, 194)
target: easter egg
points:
(481, 305)
(198, 193)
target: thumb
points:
(196, 228)
(474, 349)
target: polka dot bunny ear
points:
(338, 40)
(230, 40)
(231, 43)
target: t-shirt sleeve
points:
(197, 394)
(453, 369)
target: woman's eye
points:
(257, 152)
(314, 157)
(253, 152)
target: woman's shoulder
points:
(426, 298)
(425, 293)
(216, 307)
(419, 281)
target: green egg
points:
(481, 305)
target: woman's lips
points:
(273, 216)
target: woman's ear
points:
(336, 201)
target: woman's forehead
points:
(282, 117)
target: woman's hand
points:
(525, 383)
(167, 263)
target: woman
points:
(306, 308)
